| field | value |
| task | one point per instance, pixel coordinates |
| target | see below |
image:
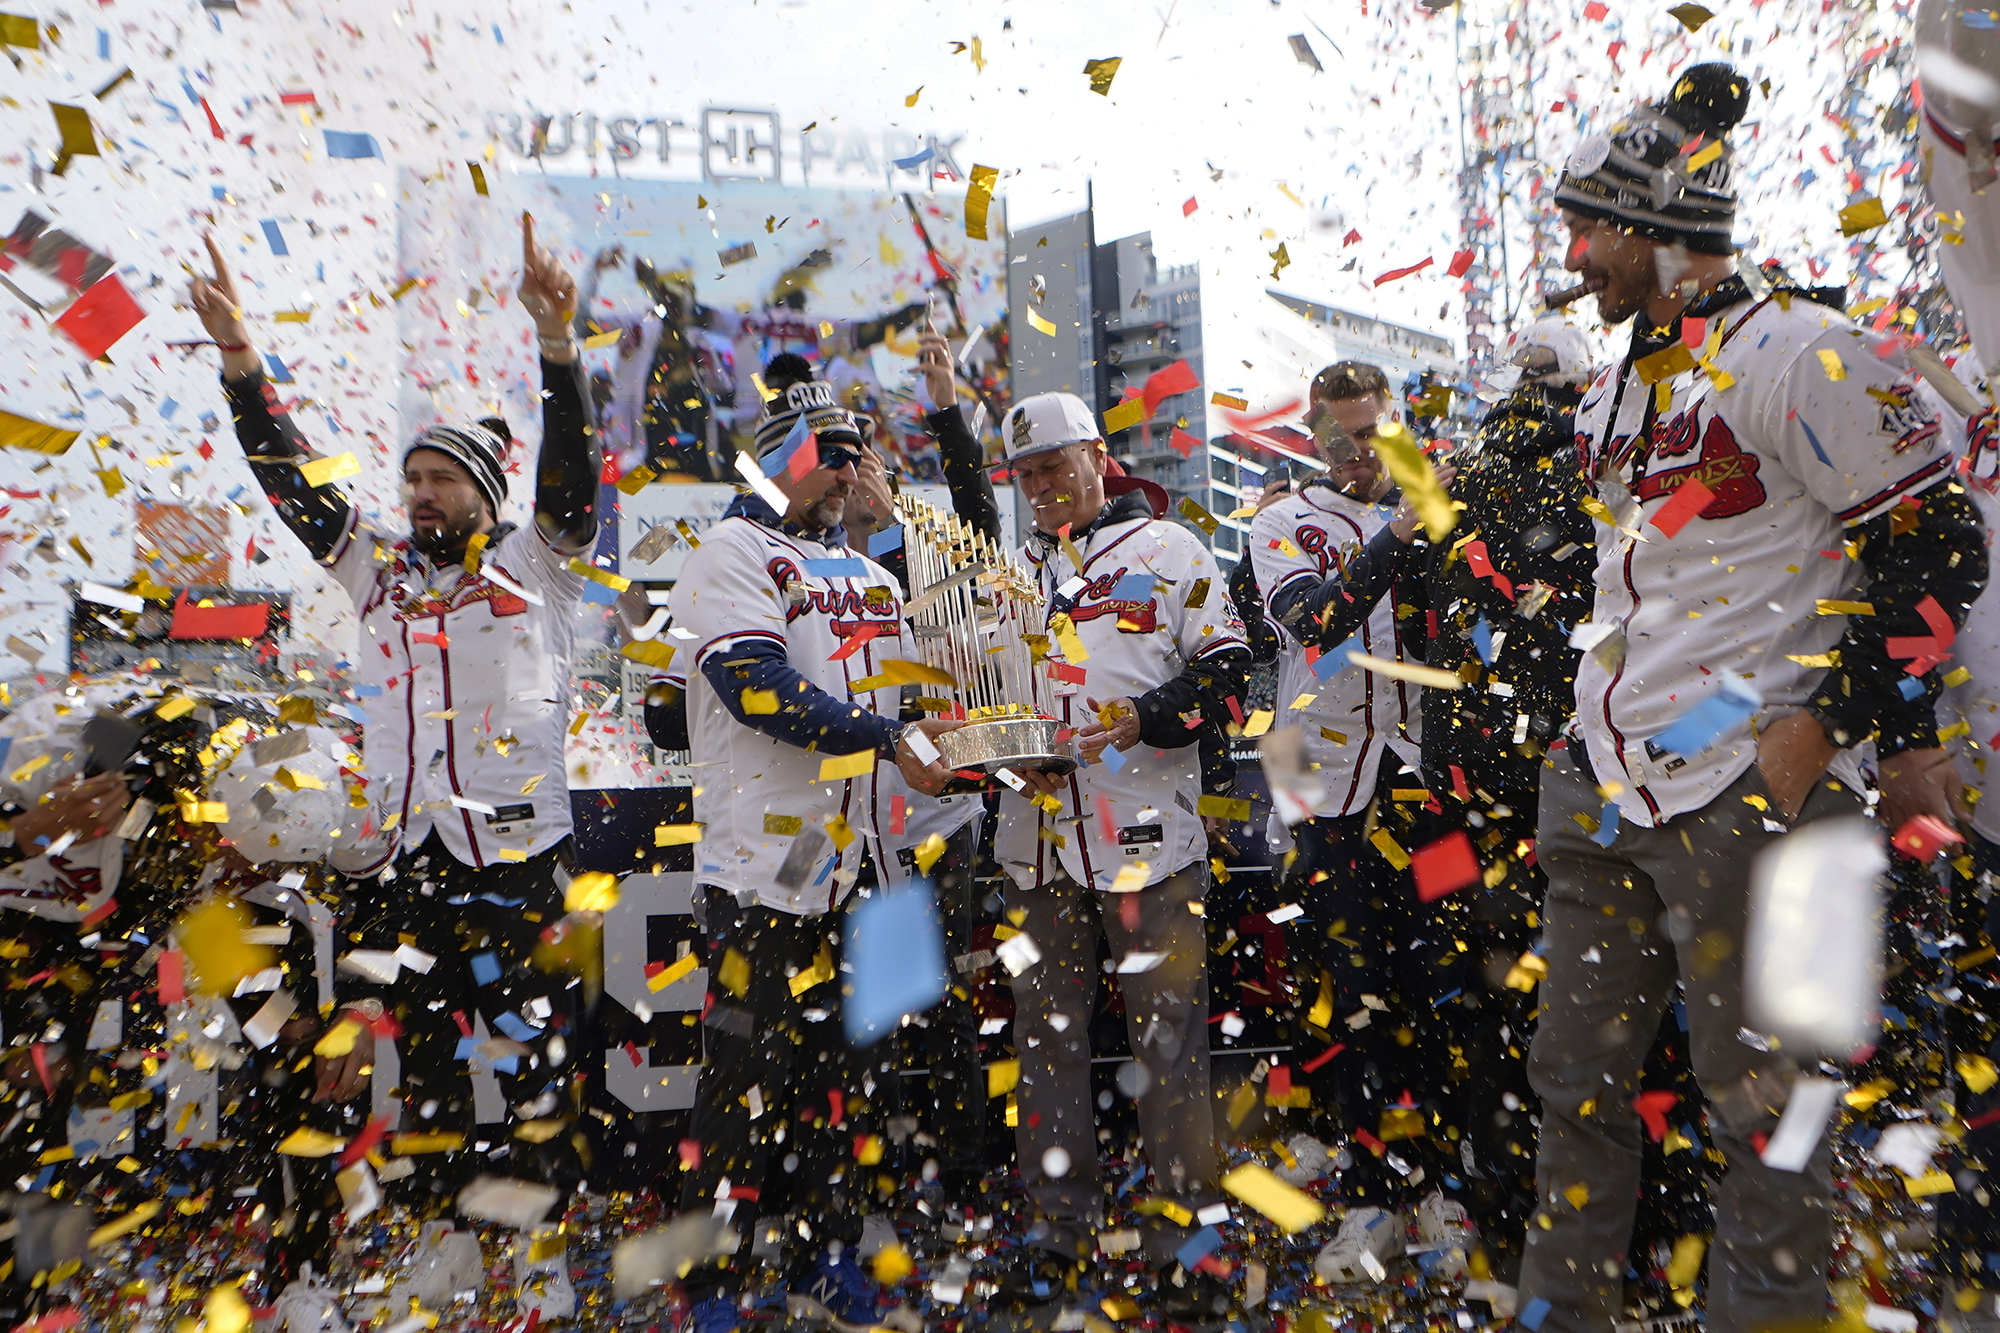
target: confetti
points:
(1101, 73)
(978, 199)
(1291, 1208)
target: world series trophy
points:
(977, 619)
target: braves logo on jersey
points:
(1313, 541)
(1723, 466)
(428, 604)
(847, 608)
(1133, 617)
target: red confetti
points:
(1280, 1081)
(214, 125)
(863, 632)
(690, 1150)
(246, 621)
(1460, 263)
(804, 459)
(1325, 1055)
(1924, 836)
(1396, 273)
(100, 317)
(1689, 499)
(1444, 866)
(1595, 10)
(1166, 382)
(1189, 206)
(896, 814)
(1652, 1108)
(1181, 442)
(365, 1141)
(173, 986)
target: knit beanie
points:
(478, 448)
(1665, 172)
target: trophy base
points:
(992, 744)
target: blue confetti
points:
(513, 1025)
(885, 541)
(838, 567)
(1198, 1247)
(279, 375)
(368, 691)
(1910, 687)
(275, 237)
(1534, 1313)
(895, 953)
(1813, 440)
(167, 409)
(508, 1064)
(218, 192)
(598, 595)
(1332, 664)
(1482, 639)
(496, 35)
(780, 459)
(1607, 831)
(486, 968)
(1112, 760)
(1135, 587)
(915, 160)
(467, 1048)
(6, 744)
(103, 44)
(1710, 720)
(340, 143)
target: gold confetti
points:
(307, 1142)
(1413, 472)
(1002, 1076)
(1101, 73)
(1292, 1209)
(668, 975)
(1862, 215)
(323, 471)
(978, 199)
(23, 433)
(1830, 360)
(591, 891)
(840, 767)
(212, 938)
(1040, 325)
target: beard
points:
(443, 537)
(826, 513)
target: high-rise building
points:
(1097, 320)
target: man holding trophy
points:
(1141, 639)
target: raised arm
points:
(572, 460)
(964, 462)
(319, 516)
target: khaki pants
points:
(1625, 922)
(1166, 1018)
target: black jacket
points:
(1522, 519)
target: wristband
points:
(368, 1011)
(232, 347)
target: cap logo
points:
(809, 395)
(1591, 154)
(1023, 432)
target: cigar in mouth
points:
(1569, 295)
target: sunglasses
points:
(834, 457)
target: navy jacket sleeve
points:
(317, 515)
(1332, 611)
(807, 715)
(568, 473)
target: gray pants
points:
(1166, 1017)
(1625, 922)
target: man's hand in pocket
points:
(1792, 753)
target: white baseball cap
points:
(1047, 421)
(1551, 348)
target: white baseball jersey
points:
(909, 818)
(65, 887)
(1141, 806)
(1968, 207)
(465, 681)
(1354, 715)
(1972, 678)
(1793, 456)
(760, 800)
